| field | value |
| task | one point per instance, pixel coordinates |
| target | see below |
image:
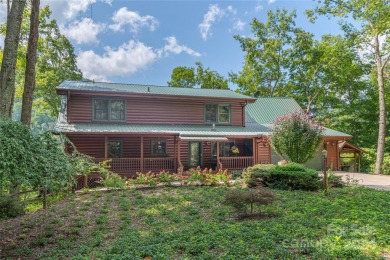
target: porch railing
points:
(159, 164)
(133, 165)
(236, 162)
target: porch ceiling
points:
(203, 138)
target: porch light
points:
(325, 153)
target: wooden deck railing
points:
(159, 164)
(133, 165)
(236, 162)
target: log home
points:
(151, 128)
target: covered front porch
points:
(129, 154)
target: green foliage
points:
(266, 55)
(148, 178)
(296, 136)
(10, 207)
(167, 178)
(290, 176)
(56, 62)
(33, 161)
(334, 181)
(252, 175)
(368, 161)
(113, 180)
(195, 223)
(207, 177)
(244, 200)
(186, 77)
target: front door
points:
(195, 154)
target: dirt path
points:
(379, 182)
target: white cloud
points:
(213, 14)
(126, 60)
(230, 9)
(271, 1)
(175, 48)
(67, 10)
(258, 7)
(84, 31)
(133, 20)
(239, 25)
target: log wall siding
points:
(153, 111)
(333, 155)
(80, 109)
(263, 151)
(131, 146)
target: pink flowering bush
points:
(296, 136)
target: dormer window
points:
(105, 109)
(217, 113)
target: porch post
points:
(142, 154)
(178, 152)
(254, 148)
(174, 153)
(105, 147)
(218, 165)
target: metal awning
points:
(203, 138)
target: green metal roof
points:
(267, 109)
(183, 130)
(149, 89)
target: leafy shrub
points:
(196, 174)
(334, 181)
(368, 161)
(33, 161)
(10, 207)
(291, 176)
(244, 200)
(113, 180)
(207, 177)
(167, 178)
(252, 175)
(296, 136)
(148, 178)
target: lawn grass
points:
(192, 222)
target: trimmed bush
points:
(252, 175)
(291, 176)
(244, 200)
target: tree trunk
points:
(382, 108)
(8, 65)
(31, 60)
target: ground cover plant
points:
(192, 222)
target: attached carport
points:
(347, 152)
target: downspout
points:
(68, 107)
(243, 105)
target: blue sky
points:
(142, 41)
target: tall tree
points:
(31, 60)
(182, 77)
(188, 77)
(266, 56)
(322, 71)
(56, 61)
(7, 72)
(371, 25)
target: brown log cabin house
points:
(145, 128)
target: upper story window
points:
(105, 109)
(217, 113)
